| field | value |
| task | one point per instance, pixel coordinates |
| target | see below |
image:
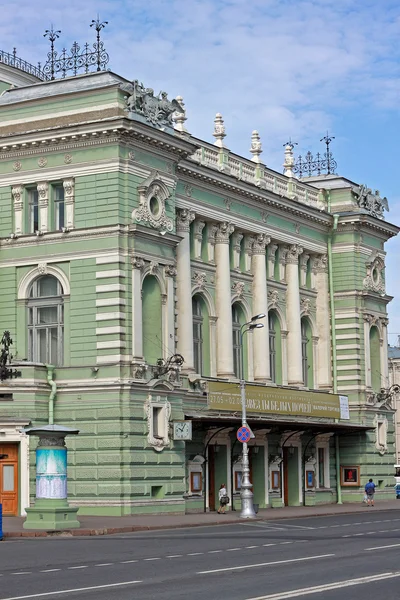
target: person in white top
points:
(223, 499)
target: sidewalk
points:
(13, 526)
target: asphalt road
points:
(325, 558)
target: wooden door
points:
(285, 477)
(9, 479)
(211, 478)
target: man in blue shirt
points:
(370, 491)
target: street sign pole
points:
(246, 494)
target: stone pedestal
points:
(310, 499)
(276, 501)
(51, 510)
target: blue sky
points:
(288, 68)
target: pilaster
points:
(184, 319)
(69, 200)
(320, 266)
(43, 197)
(17, 193)
(137, 308)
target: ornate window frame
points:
(153, 194)
(158, 434)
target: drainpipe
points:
(333, 330)
(53, 385)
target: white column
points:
(169, 330)
(184, 289)
(223, 301)
(295, 374)
(69, 201)
(260, 305)
(320, 267)
(43, 198)
(137, 310)
(384, 355)
(17, 192)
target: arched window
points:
(375, 349)
(152, 320)
(46, 321)
(275, 348)
(238, 319)
(201, 336)
(197, 335)
(307, 353)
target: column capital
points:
(137, 262)
(224, 231)
(293, 253)
(260, 242)
(69, 187)
(43, 193)
(320, 264)
(272, 248)
(237, 238)
(198, 229)
(17, 191)
(304, 260)
(170, 271)
(184, 217)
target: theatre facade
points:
(132, 256)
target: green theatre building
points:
(126, 246)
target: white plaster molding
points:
(29, 278)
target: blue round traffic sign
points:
(243, 434)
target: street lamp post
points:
(246, 495)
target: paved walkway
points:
(13, 526)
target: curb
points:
(69, 533)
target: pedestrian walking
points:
(223, 499)
(370, 492)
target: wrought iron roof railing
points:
(22, 65)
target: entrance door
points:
(9, 479)
(285, 477)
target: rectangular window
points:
(321, 467)
(59, 207)
(33, 210)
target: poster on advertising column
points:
(278, 401)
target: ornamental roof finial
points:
(289, 158)
(256, 146)
(219, 131)
(180, 117)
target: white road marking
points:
(326, 587)
(232, 549)
(125, 562)
(174, 556)
(276, 562)
(103, 564)
(195, 553)
(80, 567)
(383, 547)
(50, 570)
(250, 547)
(85, 589)
(22, 573)
(214, 551)
(152, 559)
